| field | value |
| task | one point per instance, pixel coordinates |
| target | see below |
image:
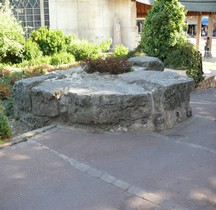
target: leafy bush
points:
(163, 28)
(108, 65)
(83, 49)
(185, 56)
(62, 58)
(11, 36)
(105, 45)
(49, 41)
(120, 51)
(31, 50)
(5, 129)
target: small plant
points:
(15, 77)
(2, 108)
(105, 45)
(5, 73)
(120, 51)
(108, 65)
(8, 104)
(5, 129)
(5, 91)
(33, 72)
(62, 58)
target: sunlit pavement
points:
(74, 169)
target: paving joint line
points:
(103, 176)
(188, 144)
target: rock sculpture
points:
(155, 100)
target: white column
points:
(210, 30)
(198, 33)
(42, 13)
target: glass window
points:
(28, 12)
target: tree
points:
(163, 36)
(11, 35)
(163, 28)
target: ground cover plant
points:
(108, 65)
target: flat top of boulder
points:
(148, 63)
(162, 79)
(89, 84)
(77, 81)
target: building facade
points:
(87, 19)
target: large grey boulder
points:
(150, 99)
(147, 63)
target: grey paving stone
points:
(72, 161)
(136, 191)
(94, 172)
(122, 185)
(107, 178)
(54, 151)
(64, 157)
(82, 167)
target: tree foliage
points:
(163, 36)
(163, 28)
(11, 35)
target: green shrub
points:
(62, 58)
(108, 65)
(105, 45)
(31, 50)
(11, 36)
(5, 129)
(163, 28)
(83, 49)
(49, 41)
(120, 51)
(185, 56)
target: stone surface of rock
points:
(147, 63)
(150, 99)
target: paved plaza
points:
(67, 168)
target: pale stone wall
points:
(94, 19)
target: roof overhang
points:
(192, 5)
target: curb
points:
(26, 136)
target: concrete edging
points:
(26, 136)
